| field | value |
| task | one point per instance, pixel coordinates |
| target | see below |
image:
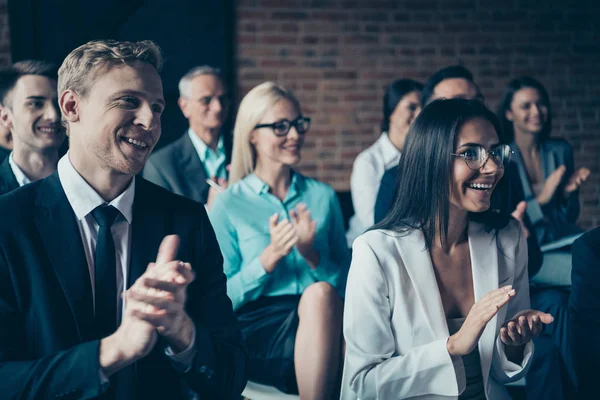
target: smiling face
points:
(33, 116)
(117, 124)
(472, 190)
(528, 111)
(207, 104)
(271, 149)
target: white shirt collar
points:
(202, 148)
(388, 150)
(84, 199)
(20, 176)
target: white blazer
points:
(394, 322)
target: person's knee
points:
(321, 296)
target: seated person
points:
(286, 259)
(550, 184)
(437, 300)
(401, 105)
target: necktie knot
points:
(105, 215)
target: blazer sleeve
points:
(219, 366)
(334, 263)
(51, 376)
(568, 207)
(245, 282)
(364, 184)
(373, 367)
(502, 369)
(385, 195)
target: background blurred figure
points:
(30, 111)
(546, 169)
(204, 151)
(437, 303)
(401, 105)
(584, 318)
(286, 260)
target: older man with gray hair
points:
(194, 166)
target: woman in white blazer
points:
(437, 296)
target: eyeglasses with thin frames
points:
(282, 128)
(476, 156)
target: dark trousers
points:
(551, 375)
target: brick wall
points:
(338, 56)
(4, 35)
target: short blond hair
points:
(78, 70)
(251, 110)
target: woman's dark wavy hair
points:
(422, 199)
(508, 133)
(393, 95)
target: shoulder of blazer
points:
(173, 151)
(148, 194)
(19, 205)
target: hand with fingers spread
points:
(550, 186)
(465, 340)
(523, 327)
(283, 239)
(576, 180)
(306, 228)
(158, 297)
(519, 215)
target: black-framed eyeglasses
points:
(476, 156)
(281, 128)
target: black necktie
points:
(105, 273)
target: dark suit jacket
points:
(3, 153)
(178, 168)
(557, 218)
(8, 182)
(584, 315)
(510, 186)
(48, 349)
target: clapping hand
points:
(306, 229)
(160, 296)
(283, 239)
(576, 180)
(523, 327)
(519, 215)
(550, 186)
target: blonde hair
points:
(251, 110)
(78, 71)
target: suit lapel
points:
(148, 229)
(192, 171)
(484, 267)
(8, 182)
(60, 234)
(419, 266)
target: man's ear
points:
(69, 103)
(182, 102)
(5, 118)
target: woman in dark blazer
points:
(548, 177)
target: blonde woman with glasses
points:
(282, 239)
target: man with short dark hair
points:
(204, 151)
(449, 83)
(87, 307)
(30, 112)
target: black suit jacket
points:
(584, 315)
(511, 186)
(47, 346)
(3, 153)
(8, 182)
(178, 168)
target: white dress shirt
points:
(20, 176)
(395, 326)
(84, 199)
(368, 169)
